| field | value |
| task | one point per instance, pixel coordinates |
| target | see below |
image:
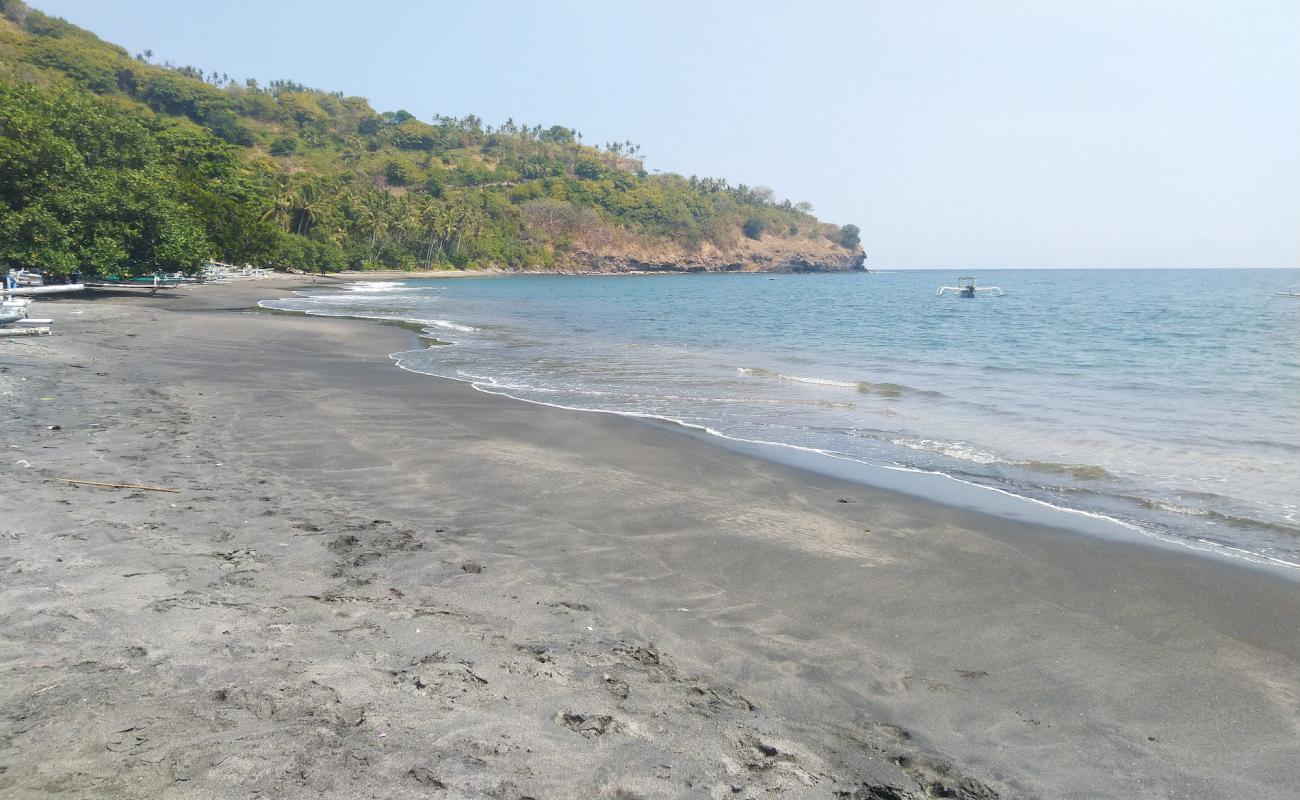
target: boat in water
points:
(966, 288)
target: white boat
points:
(130, 287)
(13, 309)
(218, 272)
(22, 277)
(966, 288)
(56, 289)
(1294, 291)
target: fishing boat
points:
(25, 277)
(148, 286)
(11, 311)
(218, 272)
(20, 283)
(966, 288)
(1294, 291)
(61, 288)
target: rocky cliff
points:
(770, 253)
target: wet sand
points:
(371, 583)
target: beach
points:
(372, 583)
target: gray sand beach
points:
(372, 583)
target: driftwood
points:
(121, 486)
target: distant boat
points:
(1294, 291)
(966, 288)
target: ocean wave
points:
(446, 324)
(883, 388)
(1214, 515)
(817, 381)
(373, 287)
(328, 311)
(964, 451)
(1082, 472)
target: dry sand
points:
(377, 584)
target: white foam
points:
(446, 324)
(367, 287)
(961, 451)
(817, 381)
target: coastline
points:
(834, 645)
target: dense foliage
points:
(110, 163)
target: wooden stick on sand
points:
(121, 486)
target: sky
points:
(955, 133)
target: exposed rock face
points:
(770, 254)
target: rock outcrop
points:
(768, 254)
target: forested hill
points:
(112, 164)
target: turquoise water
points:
(1165, 399)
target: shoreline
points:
(905, 481)
(650, 614)
(929, 486)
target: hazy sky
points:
(955, 132)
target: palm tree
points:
(406, 218)
(373, 214)
(428, 213)
(283, 204)
(313, 198)
(353, 151)
(467, 223)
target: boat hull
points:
(11, 314)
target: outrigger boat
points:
(966, 288)
(18, 283)
(61, 288)
(147, 286)
(218, 272)
(24, 277)
(14, 303)
(12, 311)
(15, 322)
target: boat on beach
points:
(14, 320)
(218, 272)
(12, 311)
(24, 277)
(31, 291)
(148, 286)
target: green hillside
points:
(109, 164)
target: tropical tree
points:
(283, 204)
(312, 199)
(374, 215)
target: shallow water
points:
(1165, 399)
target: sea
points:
(1158, 403)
